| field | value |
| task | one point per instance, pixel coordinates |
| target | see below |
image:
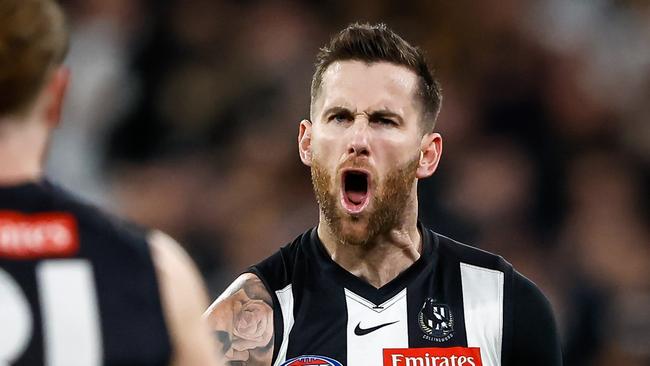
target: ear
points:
(304, 142)
(56, 90)
(430, 153)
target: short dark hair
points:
(375, 43)
(33, 40)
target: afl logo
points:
(311, 360)
(436, 321)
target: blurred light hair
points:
(33, 42)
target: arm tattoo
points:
(242, 322)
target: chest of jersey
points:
(435, 315)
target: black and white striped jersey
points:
(455, 306)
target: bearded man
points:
(370, 285)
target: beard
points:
(381, 215)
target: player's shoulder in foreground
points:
(184, 299)
(90, 213)
(180, 286)
(97, 223)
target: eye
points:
(384, 121)
(339, 117)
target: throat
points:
(378, 278)
(376, 263)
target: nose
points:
(359, 140)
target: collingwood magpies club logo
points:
(436, 321)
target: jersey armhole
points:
(278, 321)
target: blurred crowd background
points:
(183, 115)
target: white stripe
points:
(366, 349)
(70, 313)
(285, 296)
(483, 309)
(16, 319)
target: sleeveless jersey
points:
(77, 287)
(455, 306)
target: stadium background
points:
(183, 115)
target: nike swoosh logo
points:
(360, 331)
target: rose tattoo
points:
(243, 324)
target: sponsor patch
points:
(310, 360)
(451, 356)
(42, 235)
(436, 321)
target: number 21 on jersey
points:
(69, 313)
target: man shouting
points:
(370, 285)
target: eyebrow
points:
(386, 113)
(336, 110)
(381, 113)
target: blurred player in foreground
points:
(371, 285)
(77, 287)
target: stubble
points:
(387, 211)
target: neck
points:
(385, 257)
(22, 144)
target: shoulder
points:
(146, 257)
(170, 258)
(277, 270)
(530, 301)
(469, 256)
(90, 214)
(535, 340)
(474, 260)
(529, 323)
(183, 299)
(99, 224)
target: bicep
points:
(242, 322)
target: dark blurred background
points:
(183, 115)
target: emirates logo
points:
(451, 356)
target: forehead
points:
(360, 86)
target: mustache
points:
(354, 162)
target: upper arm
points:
(183, 299)
(535, 336)
(242, 321)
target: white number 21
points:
(69, 313)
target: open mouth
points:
(355, 190)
